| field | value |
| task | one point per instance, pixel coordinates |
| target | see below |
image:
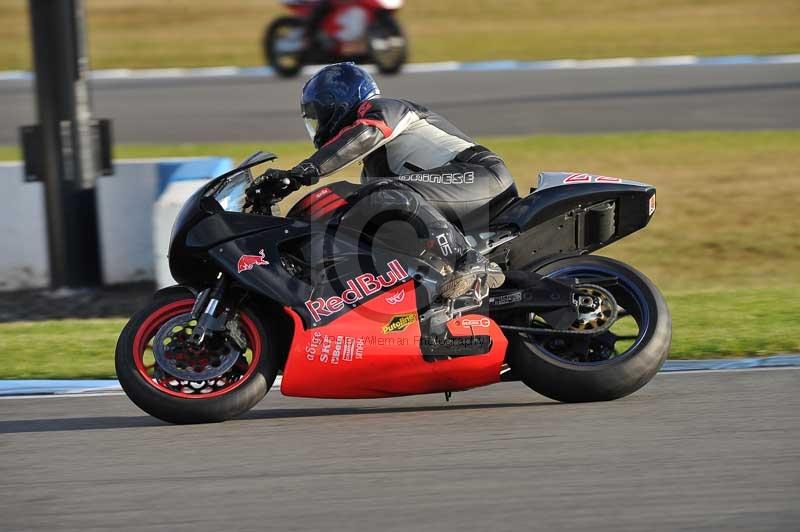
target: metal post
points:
(65, 146)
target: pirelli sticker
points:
(400, 323)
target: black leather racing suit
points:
(418, 167)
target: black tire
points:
(385, 26)
(173, 409)
(271, 56)
(576, 382)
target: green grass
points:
(154, 33)
(59, 349)
(734, 322)
(723, 245)
(706, 325)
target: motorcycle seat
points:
(479, 219)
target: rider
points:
(319, 11)
(416, 165)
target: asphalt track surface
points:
(690, 451)
(256, 108)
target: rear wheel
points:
(284, 45)
(604, 366)
(201, 399)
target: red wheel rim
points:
(159, 317)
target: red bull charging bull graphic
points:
(248, 262)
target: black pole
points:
(66, 162)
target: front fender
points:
(176, 289)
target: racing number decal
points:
(578, 178)
(586, 178)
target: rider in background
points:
(318, 13)
(417, 166)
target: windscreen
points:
(230, 193)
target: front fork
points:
(210, 312)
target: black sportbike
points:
(341, 317)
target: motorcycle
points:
(340, 317)
(363, 31)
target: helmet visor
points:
(312, 124)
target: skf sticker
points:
(399, 323)
(248, 262)
(397, 297)
(652, 207)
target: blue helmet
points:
(331, 96)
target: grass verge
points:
(723, 245)
(154, 33)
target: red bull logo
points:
(248, 262)
(357, 289)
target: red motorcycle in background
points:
(330, 31)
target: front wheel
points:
(284, 45)
(203, 399)
(600, 367)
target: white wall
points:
(126, 212)
(24, 259)
(166, 210)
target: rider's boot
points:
(469, 269)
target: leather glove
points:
(284, 180)
(275, 181)
(281, 183)
(307, 173)
(270, 187)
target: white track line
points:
(61, 395)
(732, 370)
(441, 66)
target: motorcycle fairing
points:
(374, 351)
(571, 214)
(345, 23)
(558, 194)
(271, 279)
(347, 270)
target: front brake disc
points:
(178, 357)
